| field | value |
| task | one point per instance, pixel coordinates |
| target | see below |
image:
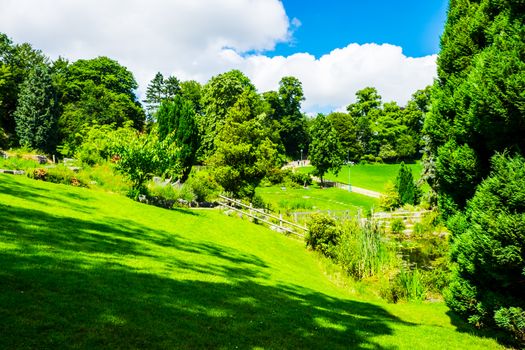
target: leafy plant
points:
(323, 234)
(397, 226)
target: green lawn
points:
(85, 269)
(370, 176)
(315, 198)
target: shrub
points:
(301, 179)
(390, 199)
(397, 226)
(204, 186)
(59, 174)
(258, 202)
(512, 320)
(489, 241)
(405, 186)
(323, 234)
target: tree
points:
(98, 91)
(294, 134)
(346, 130)
(364, 111)
(245, 152)
(177, 124)
(191, 90)
(326, 153)
(16, 63)
(36, 117)
(478, 100)
(478, 110)
(142, 157)
(405, 186)
(160, 89)
(489, 283)
(220, 94)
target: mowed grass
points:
(83, 269)
(285, 199)
(369, 176)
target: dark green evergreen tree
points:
(489, 247)
(478, 110)
(177, 123)
(405, 186)
(36, 117)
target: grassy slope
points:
(315, 198)
(370, 176)
(83, 269)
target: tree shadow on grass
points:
(33, 229)
(49, 303)
(465, 327)
(66, 282)
(11, 187)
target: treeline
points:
(53, 106)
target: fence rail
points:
(275, 222)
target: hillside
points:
(84, 269)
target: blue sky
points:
(329, 24)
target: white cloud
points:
(199, 38)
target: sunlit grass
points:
(369, 176)
(86, 269)
(285, 199)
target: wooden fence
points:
(275, 222)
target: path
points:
(355, 189)
(363, 191)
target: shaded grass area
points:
(83, 269)
(284, 199)
(370, 176)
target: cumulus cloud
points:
(199, 38)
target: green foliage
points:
(489, 244)
(159, 90)
(17, 162)
(143, 157)
(170, 196)
(459, 173)
(191, 90)
(323, 234)
(36, 115)
(99, 91)
(397, 226)
(326, 153)
(204, 186)
(512, 320)
(407, 285)
(245, 151)
(220, 94)
(293, 128)
(390, 198)
(477, 105)
(361, 251)
(177, 124)
(17, 62)
(405, 186)
(288, 178)
(98, 142)
(59, 174)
